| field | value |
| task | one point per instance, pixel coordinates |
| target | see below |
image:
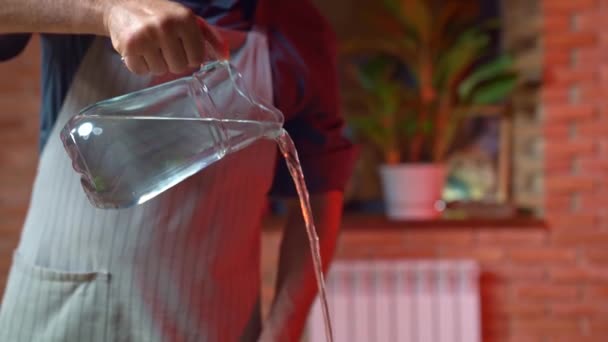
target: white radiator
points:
(404, 301)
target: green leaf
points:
(387, 24)
(453, 12)
(408, 124)
(374, 74)
(426, 127)
(369, 128)
(491, 24)
(462, 26)
(419, 16)
(459, 57)
(401, 11)
(393, 6)
(402, 50)
(488, 71)
(390, 96)
(410, 128)
(495, 90)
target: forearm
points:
(296, 286)
(152, 36)
(54, 16)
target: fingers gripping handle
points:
(212, 39)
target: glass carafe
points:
(133, 147)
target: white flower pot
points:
(413, 191)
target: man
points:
(185, 265)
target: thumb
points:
(217, 43)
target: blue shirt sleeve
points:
(11, 45)
(305, 81)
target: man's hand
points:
(153, 36)
(159, 36)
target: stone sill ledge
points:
(367, 222)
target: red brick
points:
(562, 166)
(594, 166)
(522, 310)
(588, 56)
(569, 40)
(603, 223)
(493, 289)
(593, 202)
(561, 113)
(554, 7)
(587, 21)
(578, 309)
(574, 237)
(527, 337)
(598, 326)
(17, 86)
(556, 23)
(555, 94)
(597, 255)
(569, 149)
(510, 273)
(554, 223)
(357, 239)
(556, 202)
(556, 58)
(19, 103)
(543, 255)
(574, 220)
(595, 292)
(382, 252)
(557, 130)
(576, 337)
(578, 274)
(566, 75)
(449, 237)
(548, 326)
(602, 146)
(603, 71)
(483, 254)
(569, 183)
(546, 292)
(512, 237)
(592, 95)
(494, 328)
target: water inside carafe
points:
(126, 160)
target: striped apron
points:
(181, 267)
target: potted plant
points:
(420, 72)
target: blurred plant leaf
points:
(386, 23)
(380, 46)
(409, 126)
(419, 15)
(485, 72)
(402, 12)
(419, 71)
(455, 11)
(495, 90)
(426, 127)
(461, 56)
(372, 73)
(369, 128)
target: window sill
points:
(367, 222)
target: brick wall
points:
(19, 103)
(576, 160)
(536, 285)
